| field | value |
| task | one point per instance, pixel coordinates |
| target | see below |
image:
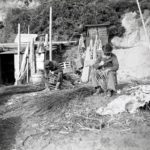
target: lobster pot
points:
(37, 78)
(52, 79)
(40, 61)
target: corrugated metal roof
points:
(10, 52)
(11, 45)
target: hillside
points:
(67, 15)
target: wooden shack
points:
(9, 58)
(33, 52)
(8, 63)
(101, 30)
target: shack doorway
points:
(7, 69)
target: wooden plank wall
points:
(101, 32)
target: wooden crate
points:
(66, 66)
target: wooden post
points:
(28, 69)
(32, 58)
(19, 42)
(46, 40)
(28, 29)
(146, 34)
(28, 58)
(19, 45)
(50, 34)
(28, 65)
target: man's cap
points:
(107, 48)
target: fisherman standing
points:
(104, 77)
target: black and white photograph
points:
(74, 74)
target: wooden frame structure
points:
(27, 59)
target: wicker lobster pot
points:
(52, 79)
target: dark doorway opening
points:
(7, 69)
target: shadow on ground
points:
(8, 131)
(7, 91)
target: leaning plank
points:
(24, 61)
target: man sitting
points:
(54, 68)
(104, 76)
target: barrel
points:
(37, 78)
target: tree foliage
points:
(68, 14)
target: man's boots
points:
(57, 87)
